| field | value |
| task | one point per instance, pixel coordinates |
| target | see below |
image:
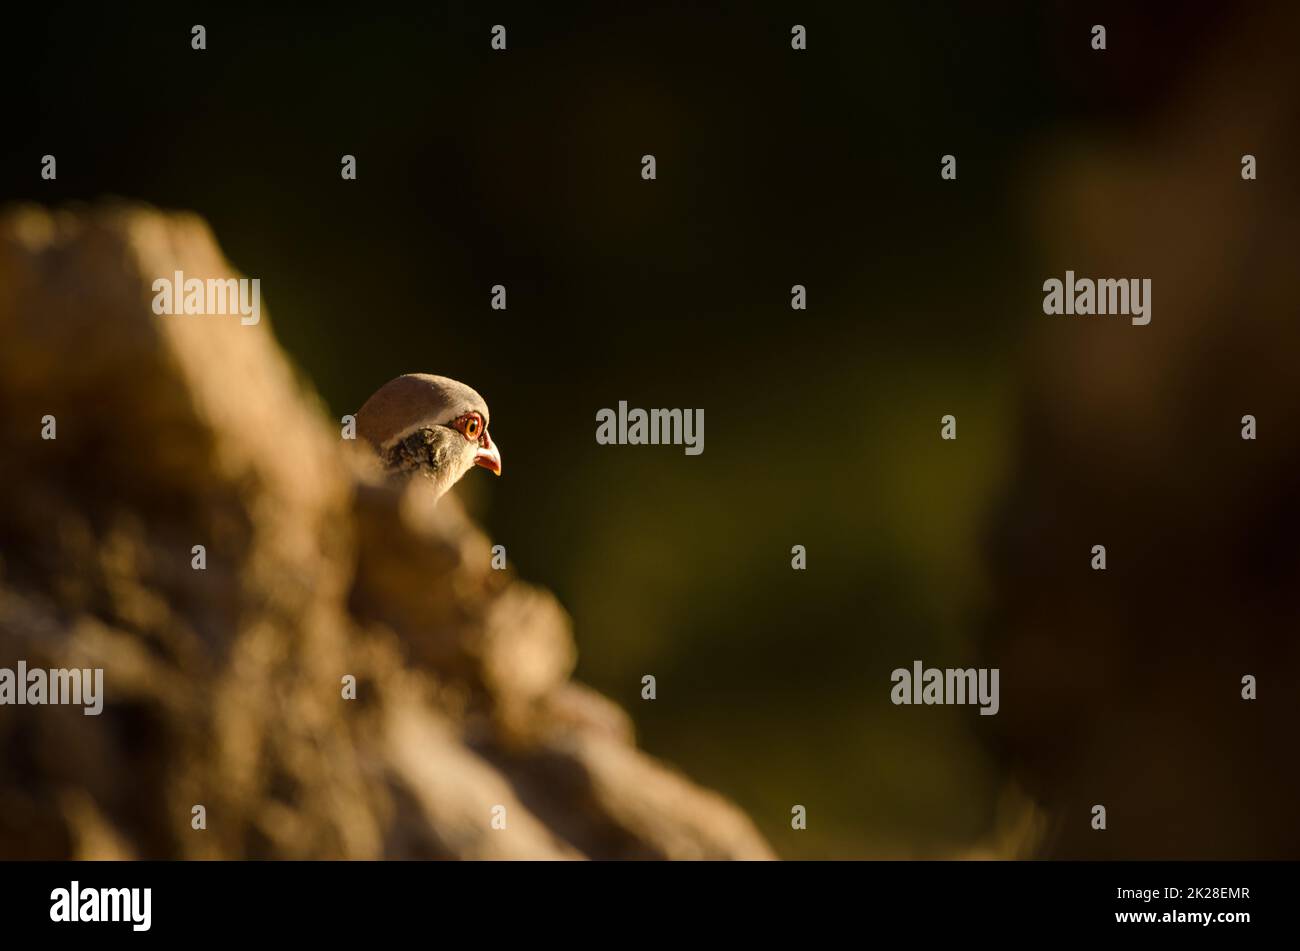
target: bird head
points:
(431, 425)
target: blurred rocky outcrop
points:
(224, 686)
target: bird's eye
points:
(471, 425)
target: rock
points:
(223, 686)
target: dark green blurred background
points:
(774, 168)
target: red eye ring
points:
(470, 425)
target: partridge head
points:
(429, 425)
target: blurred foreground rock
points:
(223, 686)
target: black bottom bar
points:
(332, 901)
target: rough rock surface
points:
(223, 686)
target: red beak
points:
(487, 456)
